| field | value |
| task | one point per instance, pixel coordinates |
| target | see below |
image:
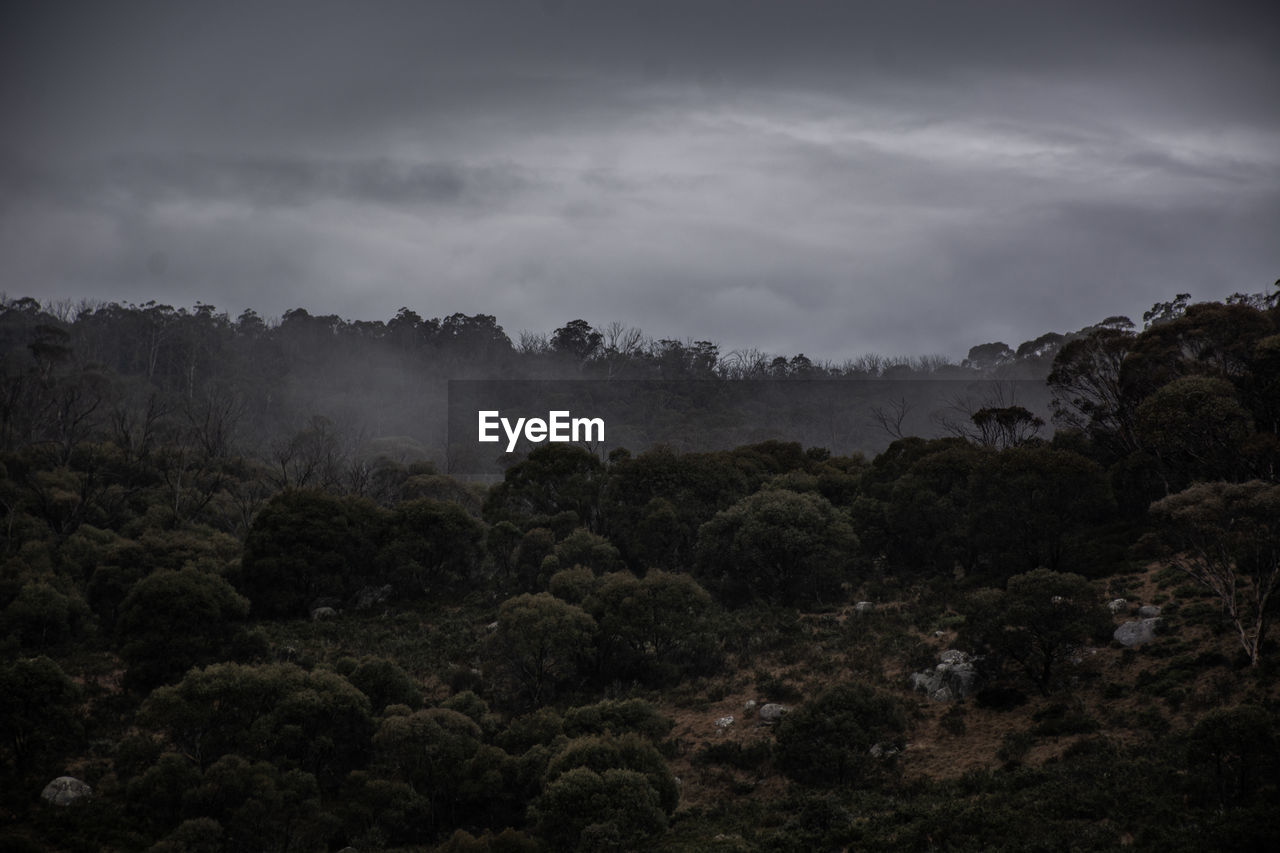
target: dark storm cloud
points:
(837, 178)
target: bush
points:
(385, 683)
(776, 546)
(826, 742)
(173, 621)
(628, 752)
(616, 717)
(583, 810)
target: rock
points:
(321, 613)
(772, 712)
(884, 749)
(724, 722)
(492, 626)
(1148, 611)
(955, 677)
(749, 709)
(1133, 633)
(1118, 605)
(864, 607)
(372, 596)
(939, 633)
(65, 791)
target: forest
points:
(248, 601)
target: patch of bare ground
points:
(695, 729)
(948, 740)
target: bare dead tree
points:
(891, 416)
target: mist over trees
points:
(305, 393)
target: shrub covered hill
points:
(224, 631)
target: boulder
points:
(864, 607)
(65, 791)
(749, 709)
(772, 712)
(724, 722)
(1148, 611)
(955, 677)
(1118, 605)
(1133, 633)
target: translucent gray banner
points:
(496, 423)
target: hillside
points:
(1008, 638)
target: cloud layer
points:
(833, 178)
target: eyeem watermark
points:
(559, 427)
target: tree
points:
(657, 626)
(577, 340)
(315, 721)
(538, 643)
(1226, 537)
(41, 616)
(827, 741)
(583, 548)
(1029, 506)
(1195, 428)
(1006, 426)
(554, 478)
(38, 710)
(261, 806)
(923, 527)
(171, 621)
(584, 810)
(987, 356)
(431, 751)
(1233, 755)
(385, 683)
(1036, 621)
(778, 546)
(655, 502)
(305, 545)
(1087, 392)
(626, 752)
(432, 545)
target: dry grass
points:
(932, 750)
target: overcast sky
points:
(829, 178)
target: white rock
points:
(771, 713)
(65, 790)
